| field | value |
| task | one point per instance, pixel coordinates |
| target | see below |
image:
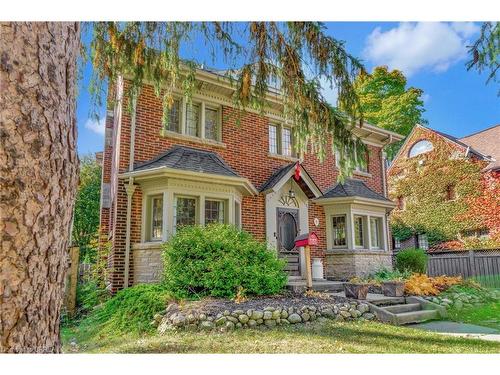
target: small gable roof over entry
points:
(189, 159)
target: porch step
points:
(416, 316)
(406, 310)
(398, 309)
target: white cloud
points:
(426, 98)
(97, 126)
(412, 47)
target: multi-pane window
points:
(423, 243)
(280, 140)
(339, 231)
(212, 124)
(397, 243)
(286, 141)
(185, 211)
(174, 117)
(156, 218)
(273, 139)
(375, 232)
(192, 119)
(358, 231)
(214, 211)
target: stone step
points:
(398, 309)
(416, 316)
(390, 301)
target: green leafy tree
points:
(86, 217)
(388, 103)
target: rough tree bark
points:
(38, 179)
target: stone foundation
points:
(147, 262)
(345, 264)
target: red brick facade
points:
(245, 149)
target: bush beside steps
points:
(175, 318)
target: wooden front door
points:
(288, 228)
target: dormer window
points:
(421, 147)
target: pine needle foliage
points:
(295, 56)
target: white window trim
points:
(169, 205)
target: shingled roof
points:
(353, 188)
(276, 176)
(189, 159)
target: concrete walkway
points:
(459, 329)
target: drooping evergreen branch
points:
(260, 56)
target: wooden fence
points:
(482, 265)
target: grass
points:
(487, 315)
(319, 337)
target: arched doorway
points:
(287, 225)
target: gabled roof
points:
(189, 159)
(353, 188)
(305, 181)
(486, 141)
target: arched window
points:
(420, 147)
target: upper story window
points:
(174, 117)
(421, 147)
(195, 119)
(280, 140)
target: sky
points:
(432, 55)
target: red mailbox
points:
(306, 239)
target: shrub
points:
(130, 310)
(411, 260)
(89, 295)
(423, 285)
(385, 274)
(220, 260)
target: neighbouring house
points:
(209, 167)
(443, 187)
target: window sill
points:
(283, 157)
(190, 138)
(147, 245)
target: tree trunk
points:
(38, 179)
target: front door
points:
(288, 227)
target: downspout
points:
(130, 188)
(384, 183)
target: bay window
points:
(156, 218)
(339, 231)
(185, 211)
(376, 232)
(214, 211)
(359, 239)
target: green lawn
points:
(320, 337)
(487, 315)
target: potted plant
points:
(356, 288)
(393, 288)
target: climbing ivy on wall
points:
(425, 182)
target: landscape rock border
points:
(175, 317)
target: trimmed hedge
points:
(411, 260)
(221, 261)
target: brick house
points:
(417, 153)
(208, 167)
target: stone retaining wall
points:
(344, 264)
(271, 316)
